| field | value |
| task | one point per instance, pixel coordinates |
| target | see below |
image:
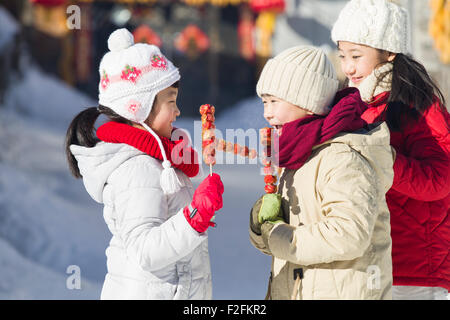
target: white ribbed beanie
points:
(301, 75)
(131, 75)
(380, 24)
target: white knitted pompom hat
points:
(301, 75)
(131, 75)
(380, 24)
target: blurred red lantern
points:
(195, 2)
(49, 3)
(192, 40)
(145, 34)
(50, 17)
(263, 5)
(246, 28)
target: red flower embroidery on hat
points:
(104, 81)
(130, 73)
(159, 62)
(133, 106)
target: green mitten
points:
(266, 208)
(270, 208)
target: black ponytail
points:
(81, 132)
(412, 92)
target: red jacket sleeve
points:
(422, 172)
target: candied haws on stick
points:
(208, 135)
(270, 179)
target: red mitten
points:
(206, 201)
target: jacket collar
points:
(379, 99)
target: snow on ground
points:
(48, 222)
(24, 279)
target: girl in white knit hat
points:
(373, 41)
(328, 227)
(159, 245)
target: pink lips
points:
(357, 80)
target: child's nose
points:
(349, 69)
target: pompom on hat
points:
(380, 24)
(301, 75)
(131, 75)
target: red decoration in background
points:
(245, 30)
(48, 3)
(263, 5)
(145, 34)
(192, 38)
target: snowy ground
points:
(48, 222)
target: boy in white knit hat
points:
(159, 245)
(373, 38)
(327, 228)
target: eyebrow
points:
(173, 93)
(351, 50)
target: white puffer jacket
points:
(154, 253)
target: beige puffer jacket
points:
(338, 236)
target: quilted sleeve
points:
(422, 171)
(152, 239)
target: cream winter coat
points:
(154, 253)
(339, 226)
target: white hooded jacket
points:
(154, 253)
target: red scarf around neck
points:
(300, 136)
(115, 132)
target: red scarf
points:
(115, 132)
(300, 136)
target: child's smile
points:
(356, 80)
(358, 61)
(277, 112)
